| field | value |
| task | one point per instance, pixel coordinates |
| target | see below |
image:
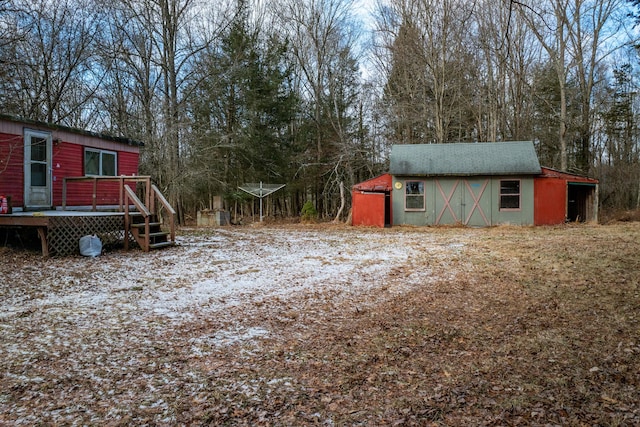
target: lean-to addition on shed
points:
(371, 202)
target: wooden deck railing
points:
(172, 213)
(122, 179)
(128, 198)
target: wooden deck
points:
(137, 220)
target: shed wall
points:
(472, 201)
(560, 196)
(550, 201)
(368, 208)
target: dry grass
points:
(514, 326)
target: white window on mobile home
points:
(100, 162)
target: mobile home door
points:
(37, 169)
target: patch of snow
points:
(215, 274)
(227, 337)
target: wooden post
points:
(64, 194)
(126, 221)
(120, 193)
(95, 192)
(42, 233)
(147, 230)
(152, 201)
(148, 195)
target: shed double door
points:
(463, 201)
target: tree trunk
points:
(337, 219)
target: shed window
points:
(100, 162)
(414, 196)
(510, 194)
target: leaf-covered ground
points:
(329, 325)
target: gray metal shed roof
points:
(465, 159)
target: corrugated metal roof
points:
(53, 126)
(487, 158)
(553, 173)
(380, 183)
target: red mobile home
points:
(36, 157)
(45, 169)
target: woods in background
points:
(306, 93)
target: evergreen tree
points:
(620, 163)
(408, 91)
(241, 111)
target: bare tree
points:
(596, 25)
(52, 68)
(507, 55)
(150, 51)
(577, 36)
(11, 33)
(322, 34)
(431, 66)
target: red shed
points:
(371, 202)
(36, 157)
(560, 197)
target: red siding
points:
(550, 195)
(81, 194)
(128, 163)
(12, 167)
(368, 209)
(368, 201)
(67, 161)
(550, 201)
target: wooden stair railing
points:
(144, 225)
(172, 213)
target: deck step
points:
(141, 224)
(156, 234)
(161, 245)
